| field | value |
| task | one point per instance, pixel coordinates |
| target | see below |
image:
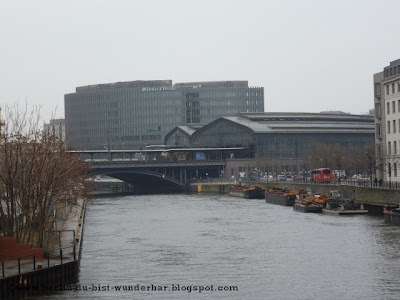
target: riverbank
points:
(373, 198)
(59, 264)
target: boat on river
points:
(336, 205)
(392, 214)
(280, 196)
(328, 203)
(254, 192)
(304, 203)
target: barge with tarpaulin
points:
(280, 196)
(328, 203)
(254, 192)
(304, 203)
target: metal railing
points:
(350, 182)
(23, 264)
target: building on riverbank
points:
(134, 114)
(279, 135)
(387, 121)
(277, 140)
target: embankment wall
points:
(373, 198)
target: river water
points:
(175, 245)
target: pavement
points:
(68, 231)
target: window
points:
(388, 126)
(378, 130)
(387, 108)
(387, 89)
(389, 148)
(394, 147)
(392, 88)
(395, 169)
(378, 110)
(394, 126)
(378, 89)
(398, 105)
(394, 106)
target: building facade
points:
(281, 135)
(281, 140)
(387, 121)
(134, 114)
(56, 127)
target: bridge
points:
(161, 170)
(160, 176)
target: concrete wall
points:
(373, 198)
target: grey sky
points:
(308, 55)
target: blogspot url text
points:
(136, 288)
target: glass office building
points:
(135, 114)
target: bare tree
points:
(319, 155)
(37, 175)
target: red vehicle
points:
(321, 175)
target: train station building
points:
(276, 138)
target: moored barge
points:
(280, 196)
(304, 203)
(335, 205)
(255, 192)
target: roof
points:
(297, 122)
(187, 129)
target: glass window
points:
(389, 148)
(392, 88)
(394, 126)
(394, 147)
(387, 89)
(388, 126)
(394, 106)
(387, 108)
(378, 110)
(378, 89)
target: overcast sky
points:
(309, 55)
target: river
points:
(190, 246)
